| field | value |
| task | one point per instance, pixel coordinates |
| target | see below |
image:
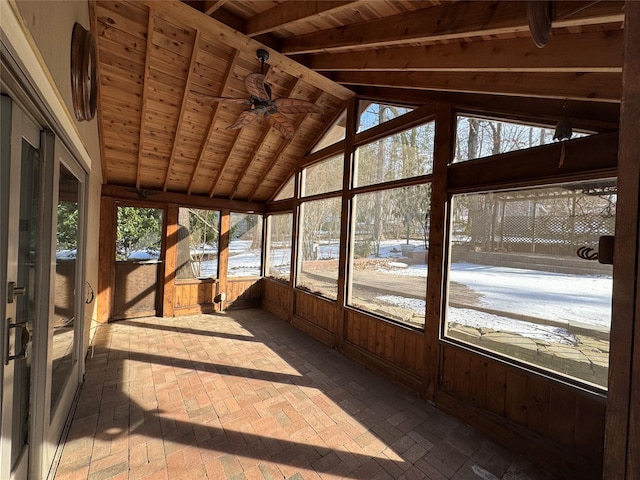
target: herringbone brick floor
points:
(244, 395)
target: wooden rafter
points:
(583, 115)
(180, 12)
(288, 13)
(214, 116)
(145, 88)
(254, 153)
(211, 6)
(446, 22)
(602, 87)
(183, 108)
(225, 163)
(94, 28)
(586, 52)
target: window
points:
(389, 259)
(323, 177)
(319, 246)
(480, 137)
(279, 258)
(245, 245)
(516, 285)
(139, 233)
(334, 135)
(404, 155)
(374, 114)
(198, 237)
(286, 191)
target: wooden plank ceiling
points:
(159, 62)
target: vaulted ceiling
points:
(160, 64)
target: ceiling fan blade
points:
(295, 105)
(256, 86)
(281, 123)
(244, 118)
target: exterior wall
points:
(47, 26)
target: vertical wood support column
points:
(444, 141)
(622, 431)
(170, 260)
(345, 221)
(223, 252)
(106, 258)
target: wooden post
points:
(345, 222)
(622, 431)
(444, 141)
(106, 258)
(223, 253)
(170, 260)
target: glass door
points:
(21, 218)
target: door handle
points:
(13, 291)
(24, 337)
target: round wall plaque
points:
(84, 73)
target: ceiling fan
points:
(261, 103)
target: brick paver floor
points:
(244, 395)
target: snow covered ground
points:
(579, 300)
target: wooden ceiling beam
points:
(183, 108)
(450, 21)
(196, 201)
(288, 13)
(585, 52)
(595, 87)
(145, 89)
(583, 115)
(214, 116)
(183, 13)
(211, 6)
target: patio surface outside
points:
(243, 395)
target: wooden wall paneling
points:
(496, 388)
(516, 398)
(589, 429)
(389, 342)
(278, 298)
(443, 154)
(447, 368)
(170, 261)
(478, 388)
(462, 373)
(538, 394)
(106, 258)
(622, 436)
(562, 416)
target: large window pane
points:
(319, 246)
(198, 236)
(245, 247)
(480, 137)
(335, 134)
(323, 177)
(139, 233)
(286, 191)
(405, 155)
(517, 286)
(374, 114)
(389, 245)
(280, 246)
(67, 235)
